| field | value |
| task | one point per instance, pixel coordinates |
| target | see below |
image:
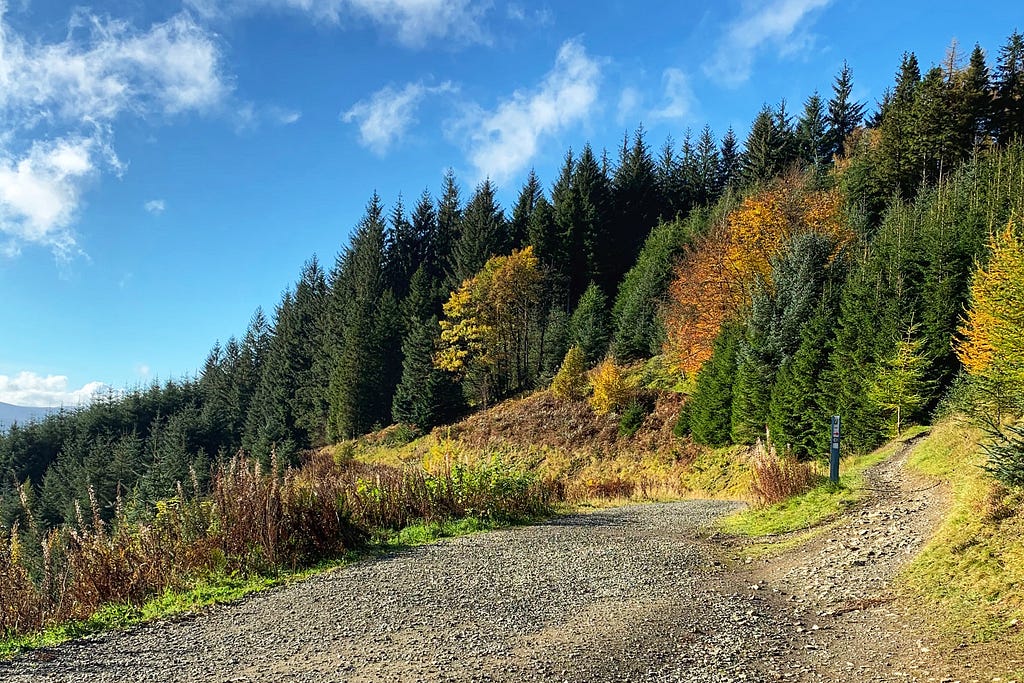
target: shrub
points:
(1005, 454)
(570, 383)
(612, 391)
(776, 479)
(632, 417)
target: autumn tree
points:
(487, 327)
(900, 386)
(991, 338)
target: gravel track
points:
(640, 593)
(624, 594)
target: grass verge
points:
(818, 505)
(971, 573)
(222, 588)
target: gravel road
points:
(624, 594)
(641, 593)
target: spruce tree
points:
(897, 166)
(522, 214)
(844, 114)
(710, 408)
(708, 183)
(588, 326)
(425, 396)
(730, 161)
(636, 205)
(483, 234)
(812, 133)
(1009, 82)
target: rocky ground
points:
(630, 594)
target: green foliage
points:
(710, 407)
(900, 386)
(571, 382)
(637, 326)
(633, 417)
(1005, 452)
(426, 396)
(588, 326)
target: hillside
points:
(11, 414)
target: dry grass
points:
(776, 479)
(255, 520)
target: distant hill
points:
(10, 414)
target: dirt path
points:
(629, 594)
(842, 591)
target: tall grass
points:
(254, 520)
(776, 479)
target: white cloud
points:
(679, 98)
(776, 22)
(143, 370)
(629, 104)
(285, 117)
(155, 206)
(386, 116)
(504, 141)
(414, 23)
(537, 18)
(59, 102)
(40, 190)
(30, 389)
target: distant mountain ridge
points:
(9, 414)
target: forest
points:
(865, 261)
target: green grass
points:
(226, 588)
(818, 505)
(971, 573)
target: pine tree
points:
(671, 182)
(636, 205)
(977, 100)
(1009, 81)
(522, 214)
(708, 180)
(797, 417)
(897, 167)
(731, 161)
(770, 146)
(710, 407)
(934, 146)
(483, 234)
(367, 320)
(425, 396)
(588, 326)
(449, 226)
(812, 133)
(844, 114)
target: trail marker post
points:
(833, 461)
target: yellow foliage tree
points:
(991, 337)
(611, 388)
(488, 326)
(570, 383)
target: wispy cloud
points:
(678, 96)
(629, 103)
(31, 389)
(385, 116)
(155, 206)
(60, 101)
(502, 142)
(537, 18)
(413, 23)
(778, 23)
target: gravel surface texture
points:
(627, 594)
(640, 593)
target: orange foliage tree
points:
(715, 279)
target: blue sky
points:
(167, 167)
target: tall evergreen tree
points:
(897, 166)
(483, 234)
(636, 205)
(588, 326)
(449, 225)
(844, 114)
(1009, 81)
(425, 396)
(710, 408)
(519, 226)
(731, 160)
(812, 133)
(708, 183)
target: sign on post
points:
(833, 461)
